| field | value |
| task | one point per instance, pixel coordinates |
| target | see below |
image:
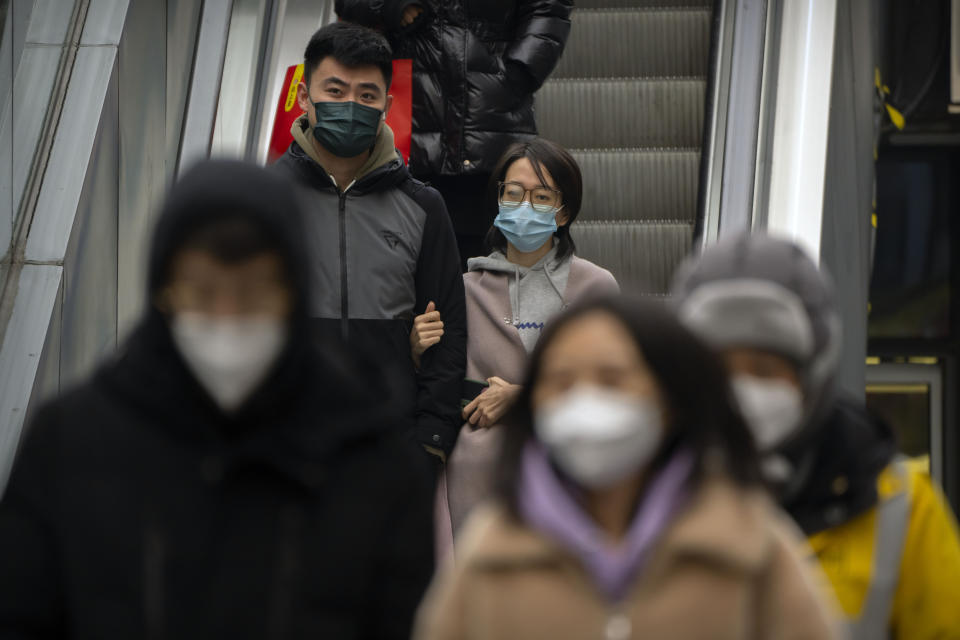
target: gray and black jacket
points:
(380, 249)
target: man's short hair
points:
(352, 46)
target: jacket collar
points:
(851, 451)
(721, 525)
(383, 155)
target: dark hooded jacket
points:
(476, 65)
(381, 249)
(137, 509)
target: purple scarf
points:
(548, 506)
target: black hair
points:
(230, 240)
(351, 45)
(542, 154)
(231, 237)
(704, 416)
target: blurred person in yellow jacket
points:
(880, 528)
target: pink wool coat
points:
(494, 349)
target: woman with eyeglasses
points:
(530, 275)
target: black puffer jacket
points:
(476, 66)
(137, 509)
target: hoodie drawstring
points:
(516, 296)
(546, 272)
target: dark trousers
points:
(472, 210)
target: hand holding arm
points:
(488, 408)
(426, 332)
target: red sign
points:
(399, 117)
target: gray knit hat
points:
(766, 293)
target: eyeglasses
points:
(542, 199)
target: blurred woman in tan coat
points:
(629, 502)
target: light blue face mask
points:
(526, 228)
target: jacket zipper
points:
(465, 109)
(344, 300)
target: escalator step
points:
(591, 114)
(632, 44)
(641, 255)
(639, 184)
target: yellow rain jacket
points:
(923, 602)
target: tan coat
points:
(727, 569)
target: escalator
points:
(628, 100)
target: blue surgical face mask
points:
(526, 228)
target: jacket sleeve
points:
(443, 366)
(30, 589)
(793, 599)
(542, 30)
(925, 604)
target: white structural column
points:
(804, 80)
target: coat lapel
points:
(490, 322)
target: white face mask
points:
(599, 437)
(773, 409)
(230, 356)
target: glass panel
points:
(906, 408)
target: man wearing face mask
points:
(880, 529)
(224, 476)
(381, 245)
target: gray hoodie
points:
(536, 292)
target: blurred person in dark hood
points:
(880, 528)
(476, 67)
(225, 475)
